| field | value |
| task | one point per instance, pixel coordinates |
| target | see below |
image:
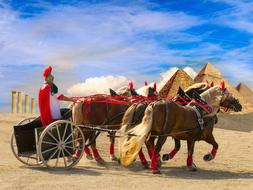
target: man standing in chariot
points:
(49, 99)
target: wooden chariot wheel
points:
(61, 145)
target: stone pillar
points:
(32, 105)
(26, 103)
(20, 103)
(14, 101)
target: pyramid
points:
(246, 92)
(210, 73)
(180, 78)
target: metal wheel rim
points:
(62, 140)
(14, 147)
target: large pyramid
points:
(180, 78)
(246, 92)
(210, 73)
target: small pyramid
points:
(246, 92)
(210, 73)
(180, 78)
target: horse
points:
(167, 118)
(103, 110)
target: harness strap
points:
(166, 114)
(200, 118)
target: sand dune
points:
(232, 168)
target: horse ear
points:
(207, 82)
(146, 84)
(212, 84)
(155, 86)
(222, 85)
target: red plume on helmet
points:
(47, 71)
(222, 84)
(155, 86)
(131, 85)
(146, 84)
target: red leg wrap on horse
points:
(189, 160)
(150, 152)
(214, 151)
(112, 149)
(96, 154)
(86, 150)
(78, 153)
(172, 153)
(142, 158)
(154, 161)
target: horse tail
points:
(77, 113)
(133, 139)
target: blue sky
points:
(111, 42)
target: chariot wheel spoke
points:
(64, 133)
(58, 156)
(51, 143)
(45, 151)
(71, 134)
(63, 155)
(68, 152)
(73, 140)
(52, 155)
(52, 136)
(70, 147)
(57, 129)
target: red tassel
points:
(155, 86)
(212, 84)
(172, 153)
(189, 160)
(213, 152)
(222, 85)
(112, 149)
(146, 84)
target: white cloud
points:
(97, 85)
(190, 72)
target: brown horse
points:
(166, 118)
(102, 111)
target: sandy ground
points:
(232, 168)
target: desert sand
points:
(231, 169)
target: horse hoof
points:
(114, 158)
(208, 157)
(100, 162)
(145, 167)
(89, 156)
(166, 157)
(156, 172)
(192, 168)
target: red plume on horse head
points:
(222, 84)
(155, 86)
(131, 85)
(212, 84)
(146, 83)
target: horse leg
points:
(150, 144)
(211, 140)
(95, 151)
(156, 155)
(173, 152)
(112, 154)
(143, 159)
(189, 162)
